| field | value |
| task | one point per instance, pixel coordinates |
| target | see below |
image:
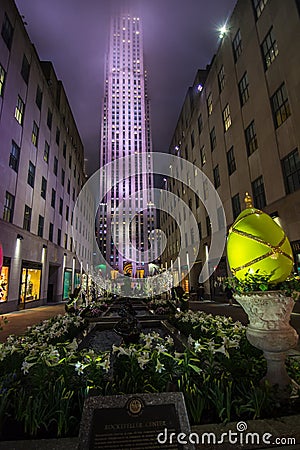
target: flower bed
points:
(162, 307)
(45, 377)
(93, 309)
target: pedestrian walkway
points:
(19, 321)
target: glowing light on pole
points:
(223, 31)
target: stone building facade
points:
(239, 124)
(42, 172)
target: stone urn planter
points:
(269, 330)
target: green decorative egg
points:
(255, 241)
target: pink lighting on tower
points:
(125, 131)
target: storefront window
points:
(4, 283)
(76, 280)
(67, 283)
(30, 286)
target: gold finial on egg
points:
(248, 200)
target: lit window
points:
(46, 152)
(19, 111)
(226, 118)
(209, 104)
(2, 80)
(269, 49)
(280, 106)
(35, 134)
(259, 6)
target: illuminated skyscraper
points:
(125, 131)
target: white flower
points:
(105, 364)
(211, 347)
(148, 340)
(155, 335)
(159, 367)
(169, 340)
(121, 350)
(73, 345)
(143, 359)
(198, 347)
(115, 349)
(160, 348)
(230, 343)
(26, 366)
(79, 367)
(223, 350)
(190, 340)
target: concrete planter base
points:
(270, 331)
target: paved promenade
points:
(18, 321)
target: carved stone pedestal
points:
(269, 330)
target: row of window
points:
(291, 175)
(269, 48)
(7, 35)
(290, 170)
(281, 111)
(251, 144)
(14, 164)
(10, 202)
(279, 104)
(9, 212)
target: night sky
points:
(180, 36)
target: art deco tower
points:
(125, 131)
